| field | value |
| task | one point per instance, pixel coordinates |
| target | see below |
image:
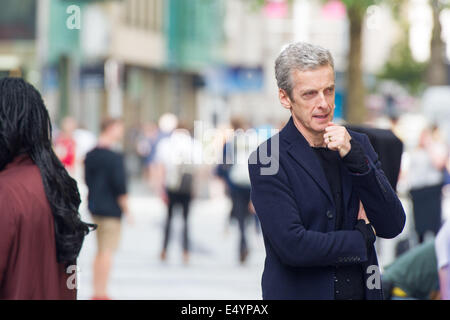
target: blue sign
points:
(230, 80)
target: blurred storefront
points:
(18, 32)
(132, 58)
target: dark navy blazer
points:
(294, 203)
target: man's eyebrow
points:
(308, 91)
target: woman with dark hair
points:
(41, 233)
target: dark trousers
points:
(241, 198)
(174, 199)
(427, 209)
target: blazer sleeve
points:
(296, 246)
(383, 208)
(7, 232)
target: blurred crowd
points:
(173, 166)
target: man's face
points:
(312, 103)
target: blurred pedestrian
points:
(85, 141)
(234, 172)
(41, 233)
(443, 259)
(107, 199)
(178, 154)
(65, 144)
(426, 177)
(413, 275)
(167, 123)
(319, 191)
(144, 146)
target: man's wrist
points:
(356, 160)
(345, 150)
(367, 231)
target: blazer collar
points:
(302, 153)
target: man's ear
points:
(284, 99)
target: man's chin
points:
(320, 127)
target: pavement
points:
(213, 273)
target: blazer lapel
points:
(302, 153)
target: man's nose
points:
(321, 100)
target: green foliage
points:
(402, 68)
(359, 3)
(258, 4)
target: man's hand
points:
(123, 203)
(362, 216)
(130, 218)
(337, 138)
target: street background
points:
(213, 62)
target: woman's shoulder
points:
(8, 207)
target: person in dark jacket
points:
(319, 192)
(41, 233)
(107, 199)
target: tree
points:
(401, 66)
(356, 13)
(355, 104)
(437, 68)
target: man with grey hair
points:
(319, 212)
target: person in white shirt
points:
(178, 154)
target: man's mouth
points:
(321, 116)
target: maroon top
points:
(28, 265)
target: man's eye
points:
(309, 94)
(329, 91)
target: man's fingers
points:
(338, 136)
(334, 145)
(333, 126)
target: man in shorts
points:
(107, 199)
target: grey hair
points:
(300, 56)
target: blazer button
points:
(330, 214)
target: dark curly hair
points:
(25, 127)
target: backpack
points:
(244, 146)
